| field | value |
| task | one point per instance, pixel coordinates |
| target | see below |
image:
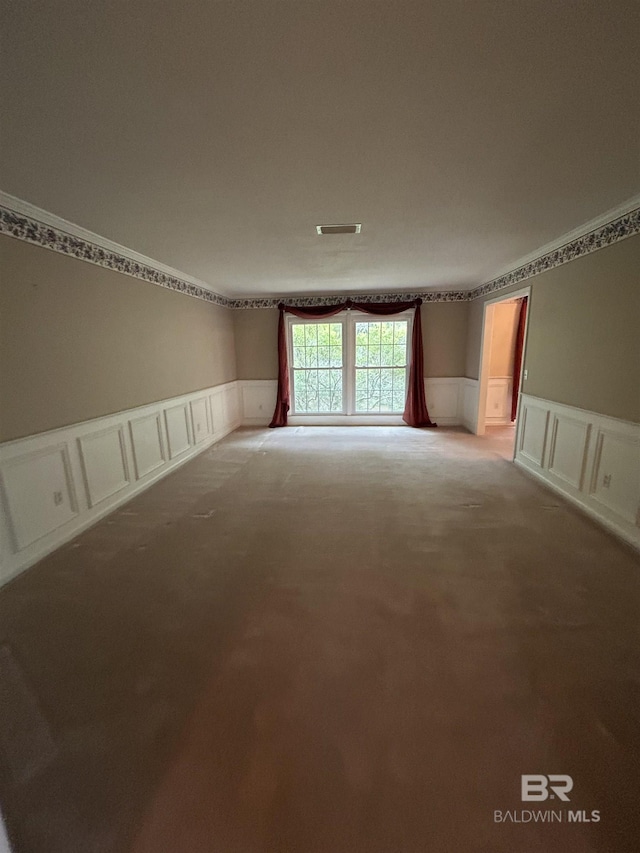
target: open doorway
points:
(501, 369)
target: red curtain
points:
(415, 413)
(517, 358)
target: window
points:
(317, 367)
(381, 365)
(350, 364)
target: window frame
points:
(348, 319)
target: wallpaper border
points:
(24, 227)
(30, 230)
(612, 232)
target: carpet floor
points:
(326, 640)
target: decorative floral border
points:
(24, 228)
(312, 301)
(612, 232)
(30, 230)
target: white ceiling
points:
(214, 135)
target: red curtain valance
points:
(415, 412)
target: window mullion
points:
(349, 363)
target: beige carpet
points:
(325, 640)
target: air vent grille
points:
(338, 229)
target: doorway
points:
(501, 369)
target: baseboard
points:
(56, 484)
(590, 459)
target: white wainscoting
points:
(445, 401)
(469, 414)
(55, 484)
(498, 409)
(592, 460)
(178, 432)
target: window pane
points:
(317, 367)
(400, 379)
(362, 334)
(323, 334)
(399, 355)
(300, 390)
(386, 401)
(362, 358)
(387, 354)
(386, 333)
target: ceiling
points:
(213, 136)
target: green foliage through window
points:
(379, 372)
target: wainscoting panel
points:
(258, 401)
(178, 433)
(615, 484)
(592, 460)
(568, 449)
(39, 493)
(147, 443)
(498, 410)
(104, 463)
(443, 399)
(200, 419)
(55, 484)
(469, 414)
(533, 432)
(233, 405)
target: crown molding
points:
(611, 227)
(25, 221)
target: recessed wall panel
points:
(200, 419)
(147, 443)
(533, 433)
(38, 494)
(104, 463)
(177, 421)
(616, 476)
(569, 444)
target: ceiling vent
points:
(339, 229)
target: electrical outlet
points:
(526, 374)
(57, 498)
(606, 481)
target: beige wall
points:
(503, 338)
(78, 341)
(444, 330)
(583, 346)
(256, 333)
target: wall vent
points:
(339, 229)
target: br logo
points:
(539, 787)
